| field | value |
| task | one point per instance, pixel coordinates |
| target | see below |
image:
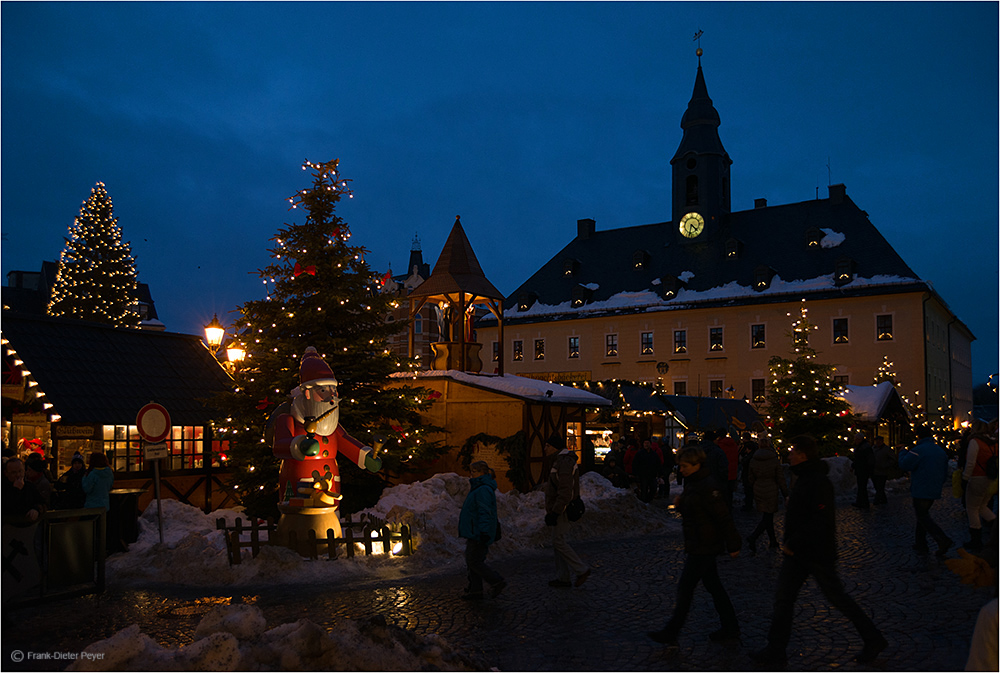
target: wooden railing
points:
(360, 532)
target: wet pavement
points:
(924, 610)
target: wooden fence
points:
(360, 531)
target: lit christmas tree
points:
(321, 293)
(96, 279)
(803, 395)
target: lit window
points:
(757, 339)
(680, 387)
(680, 341)
(757, 390)
(574, 347)
(611, 345)
(840, 330)
(715, 338)
(883, 327)
(646, 343)
(539, 349)
(518, 351)
(715, 388)
(496, 351)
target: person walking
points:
(810, 548)
(884, 465)
(981, 447)
(562, 486)
(927, 464)
(863, 464)
(708, 530)
(716, 459)
(647, 466)
(731, 478)
(478, 524)
(767, 479)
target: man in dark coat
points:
(863, 464)
(718, 463)
(708, 531)
(810, 548)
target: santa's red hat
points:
(314, 371)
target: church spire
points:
(700, 166)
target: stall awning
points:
(712, 412)
(875, 403)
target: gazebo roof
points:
(457, 270)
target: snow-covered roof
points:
(868, 402)
(517, 386)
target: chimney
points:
(837, 194)
(760, 203)
(585, 228)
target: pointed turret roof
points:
(700, 123)
(457, 270)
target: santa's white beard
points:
(304, 410)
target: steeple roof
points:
(700, 123)
(457, 270)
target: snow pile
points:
(832, 238)
(194, 551)
(235, 638)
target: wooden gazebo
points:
(457, 285)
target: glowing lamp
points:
(214, 333)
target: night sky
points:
(521, 118)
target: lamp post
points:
(214, 334)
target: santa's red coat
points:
(287, 428)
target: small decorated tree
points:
(96, 278)
(321, 293)
(803, 397)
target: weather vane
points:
(697, 38)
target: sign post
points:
(153, 424)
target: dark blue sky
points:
(520, 117)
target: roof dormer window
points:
(671, 286)
(762, 276)
(640, 259)
(813, 238)
(843, 271)
(733, 248)
(580, 296)
(571, 267)
(526, 301)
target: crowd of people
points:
(29, 488)
(709, 469)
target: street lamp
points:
(214, 333)
(235, 353)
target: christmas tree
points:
(803, 398)
(321, 293)
(96, 278)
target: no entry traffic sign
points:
(153, 423)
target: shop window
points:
(574, 347)
(840, 335)
(680, 341)
(518, 351)
(883, 327)
(646, 343)
(757, 337)
(611, 345)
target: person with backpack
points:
(478, 524)
(927, 464)
(980, 472)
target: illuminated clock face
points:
(692, 224)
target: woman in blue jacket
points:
(477, 523)
(98, 481)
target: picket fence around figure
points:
(368, 531)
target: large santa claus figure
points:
(308, 440)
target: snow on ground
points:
(235, 637)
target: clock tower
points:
(700, 169)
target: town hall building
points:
(701, 302)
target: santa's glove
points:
(372, 464)
(484, 538)
(551, 519)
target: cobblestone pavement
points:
(926, 613)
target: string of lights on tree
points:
(96, 277)
(321, 293)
